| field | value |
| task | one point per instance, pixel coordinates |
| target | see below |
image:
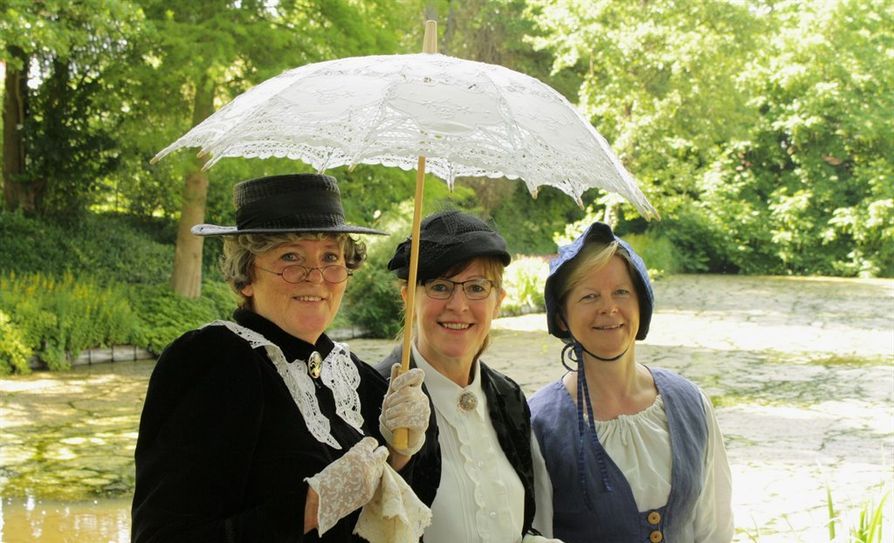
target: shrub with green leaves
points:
(14, 352)
(372, 300)
(658, 251)
(523, 281)
(164, 316)
(106, 247)
(65, 315)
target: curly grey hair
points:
(239, 253)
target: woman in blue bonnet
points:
(634, 453)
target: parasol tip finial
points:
(430, 39)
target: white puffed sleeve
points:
(713, 512)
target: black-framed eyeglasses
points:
(442, 289)
(296, 273)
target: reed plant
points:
(867, 527)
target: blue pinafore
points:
(592, 501)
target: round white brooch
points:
(468, 401)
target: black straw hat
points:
(448, 238)
(280, 204)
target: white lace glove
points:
(349, 482)
(531, 538)
(405, 406)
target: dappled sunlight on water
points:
(29, 520)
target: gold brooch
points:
(314, 364)
(468, 401)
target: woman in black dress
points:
(263, 429)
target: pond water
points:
(49, 521)
(801, 372)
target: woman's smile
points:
(306, 308)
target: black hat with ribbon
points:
(280, 204)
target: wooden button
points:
(654, 518)
(656, 537)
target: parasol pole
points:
(429, 45)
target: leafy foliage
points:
(14, 351)
(56, 316)
(762, 134)
(820, 153)
(108, 248)
(164, 316)
(373, 299)
(659, 253)
(523, 281)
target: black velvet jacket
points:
(511, 418)
(223, 451)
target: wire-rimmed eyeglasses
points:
(296, 273)
(442, 289)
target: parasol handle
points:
(414, 266)
(429, 45)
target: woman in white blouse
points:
(633, 453)
(487, 480)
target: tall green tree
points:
(762, 130)
(658, 78)
(56, 136)
(198, 56)
(816, 172)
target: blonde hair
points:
(592, 256)
(239, 253)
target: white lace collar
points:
(339, 375)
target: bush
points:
(373, 299)
(523, 281)
(656, 251)
(164, 315)
(14, 352)
(374, 302)
(65, 315)
(660, 253)
(114, 248)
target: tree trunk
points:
(186, 279)
(15, 100)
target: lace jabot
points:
(339, 374)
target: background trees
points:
(761, 130)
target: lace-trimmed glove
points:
(405, 406)
(532, 538)
(348, 483)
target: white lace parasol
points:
(466, 118)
